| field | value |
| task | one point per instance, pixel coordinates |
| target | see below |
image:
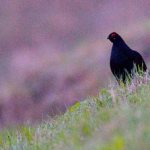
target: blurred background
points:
(55, 52)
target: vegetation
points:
(116, 119)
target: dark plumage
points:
(123, 60)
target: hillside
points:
(116, 119)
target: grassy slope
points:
(114, 120)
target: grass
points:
(118, 118)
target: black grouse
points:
(123, 60)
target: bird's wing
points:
(138, 60)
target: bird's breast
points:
(118, 58)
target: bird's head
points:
(114, 37)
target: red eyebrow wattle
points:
(113, 34)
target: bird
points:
(124, 62)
